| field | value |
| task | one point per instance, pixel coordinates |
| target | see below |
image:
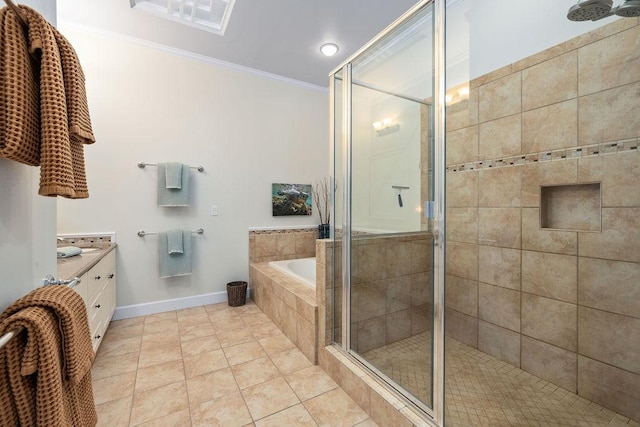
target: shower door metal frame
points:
(346, 206)
(439, 196)
(437, 411)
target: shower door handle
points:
(429, 214)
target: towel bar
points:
(49, 280)
(142, 165)
(143, 233)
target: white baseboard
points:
(136, 310)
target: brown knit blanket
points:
(44, 119)
(45, 371)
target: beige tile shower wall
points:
(328, 291)
(561, 304)
(272, 245)
(392, 288)
(426, 178)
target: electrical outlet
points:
(214, 211)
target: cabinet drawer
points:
(96, 335)
(99, 274)
(95, 281)
(98, 290)
(96, 309)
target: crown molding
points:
(62, 25)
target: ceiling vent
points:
(207, 15)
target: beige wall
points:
(153, 105)
(563, 304)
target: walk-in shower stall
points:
(385, 124)
(518, 300)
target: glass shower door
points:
(390, 296)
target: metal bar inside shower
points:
(379, 89)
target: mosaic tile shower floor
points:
(484, 391)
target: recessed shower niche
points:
(575, 207)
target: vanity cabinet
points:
(98, 290)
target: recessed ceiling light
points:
(329, 49)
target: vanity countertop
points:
(76, 266)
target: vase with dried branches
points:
(322, 197)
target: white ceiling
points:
(281, 37)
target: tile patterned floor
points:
(213, 366)
(404, 362)
(484, 391)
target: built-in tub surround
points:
(303, 269)
(288, 302)
(556, 297)
(279, 244)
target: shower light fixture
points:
(457, 94)
(329, 49)
(385, 127)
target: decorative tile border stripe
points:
(285, 230)
(82, 241)
(623, 146)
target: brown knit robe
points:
(44, 116)
(45, 370)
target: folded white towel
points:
(175, 264)
(174, 175)
(68, 251)
(174, 242)
(173, 197)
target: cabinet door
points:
(110, 287)
(102, 297)
(96, 336)
(99, 317)
(96, 278)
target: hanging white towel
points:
(172, 265)
(174, 242)
(172, 197)
(173, 172)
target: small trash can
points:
(236, 293)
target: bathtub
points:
(303, 269)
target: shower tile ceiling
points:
(280, 37)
